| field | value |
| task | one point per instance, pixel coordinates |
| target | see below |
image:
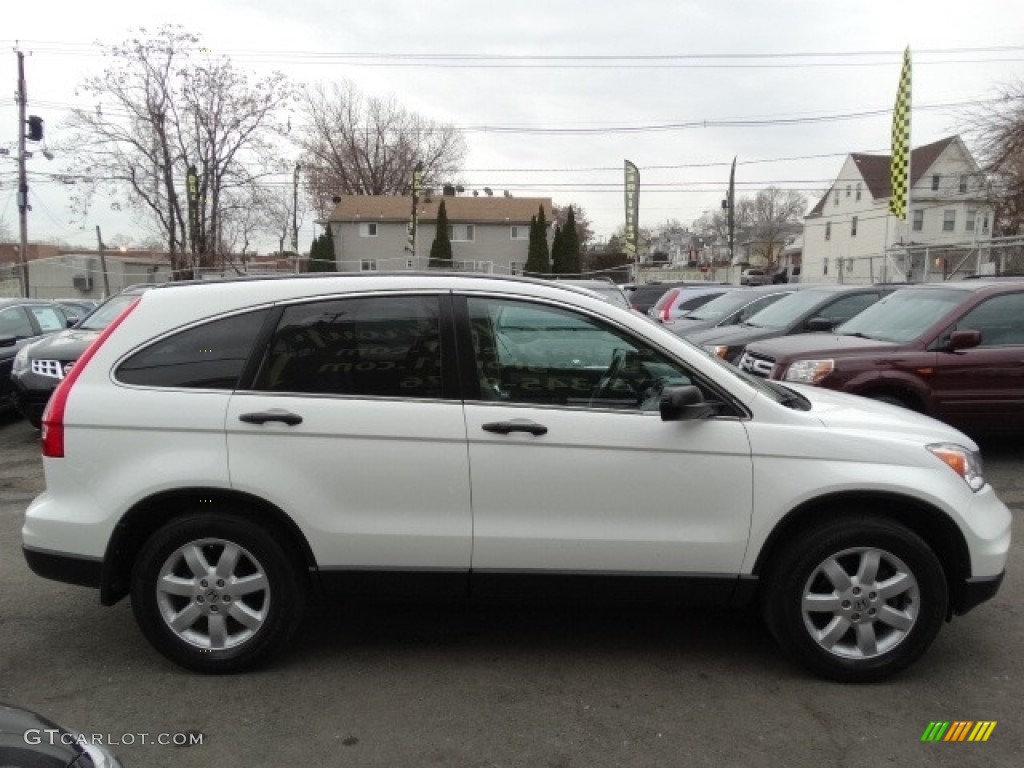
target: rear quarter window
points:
(207, 356)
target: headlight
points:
(965, 463)
(21, 363)
(809, 371)
(717, 350)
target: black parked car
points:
(815, 308)
(40, 366)
(30, 740)
(21, 322)
(76, 309)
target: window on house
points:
(984, 222)
(859, 189)
(368, 229)
(949, 221)
(853, 227)
(918, 221)
(410, 264)
(368, 265)
(837, 197)
(935, 181)
(828, 230)
(520, 232)
(824, 271)
(963, 182)
(461, 232)
(849, 189)
(972, 215)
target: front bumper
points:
(974, 592)
(31, 394)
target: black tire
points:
(225, 624)
(900, 608)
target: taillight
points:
(666, 309)
(53, 416)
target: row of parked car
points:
(953, 350)
(39, 342)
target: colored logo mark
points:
(958, 730)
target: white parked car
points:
(755, 277)
(225, 449)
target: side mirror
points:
(684, 404)
(963, 340)
(819, 324)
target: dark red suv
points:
(954, 351)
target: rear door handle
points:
(516, 425)
(275, 414)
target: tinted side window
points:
(209, 356)
(1000, 320)
(382, 346)
(756, 306)
(14, 323)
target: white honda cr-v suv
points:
(223, 450)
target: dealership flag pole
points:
(632, 232)
(899, 170)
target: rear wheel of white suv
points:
(216, 593)
(856, 600)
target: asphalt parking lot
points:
(525, 685)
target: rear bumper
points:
(60, 566)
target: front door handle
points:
(516, 425)
(275, 414)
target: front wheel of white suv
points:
(856, 600)
(215, 593)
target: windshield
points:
(785, 311)
(106, 312)
(903, 315)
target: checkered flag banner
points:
(899, 168)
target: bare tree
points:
(773, 216)
(996, 128)
(357, 145)
(164, 104)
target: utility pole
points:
(295, 216)
(103, 263)
(22, 182)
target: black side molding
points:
(974, 592)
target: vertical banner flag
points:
(900, 165)
(417, 183)
(732, 208)
(632, 232)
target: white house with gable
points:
(851, 236)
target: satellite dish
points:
(488, 192)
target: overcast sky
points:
(553, 96)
